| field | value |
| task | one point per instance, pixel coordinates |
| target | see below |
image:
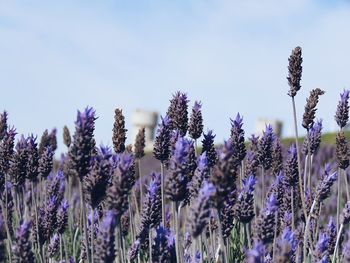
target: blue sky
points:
(59, 56)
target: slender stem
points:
(9, 240)
(195, 148)
(36, 219)
(201, 247)
(83, 214)
(298, 155)
(292, 204)
(305, 170)
(222, 242)
(162, 190)
(310, 168)
(306, 232)
(338, 197)
(141, 182)
(337, 243)
(263, 186)
(75, 242)
(177, 233)
(346, 186)
(150, 245)
(92, 234)
(274, 238)
(61, 249)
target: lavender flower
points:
(55, 186)
(224, 173)
(342, 151)
(22, 247)
(286, 247)
(310, 108)
(3, 124)
(177, 179)
(177, 112)
(342, 113)
(140, 144)
(277, 157)
(83, 142)
(53, 246)
(62, 217)
(227, 214)
(313, 138)
(45, 162)
(266, 221)
(48, 139)
(345, 215)
(105, 239)
(152, 207)
(265, 148)
(33, 159)
(209, 149)
(96, 182)
(6, 153)
(237, 137)
(118, 192)
(67, 140)
(324, 187)
(294, 71)
(251, 163)
(161, 149)
(200, 175)
(134, 250)
(245, 202)
(331, 232)
(162, 250)
(291, 167)
(200, 209)
(321, 249)
(119, 131)
(195, 128)
(18, 169)
(47, 219)
(256, 254)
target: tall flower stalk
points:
(294, 78)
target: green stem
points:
(306, 232)
(162, 188)
(83, 214)
(337, 243)
(298, 157)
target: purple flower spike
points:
(237, 137)
(291, 170)
(161, 149)
(294, 71)
(256, 254)
(178, 111)
(22, 247)
(195, 128)
(209, 148)
(321, 249)
(83, 145)
(245, 202)
(105, 240)
(3, 124)
(200, 209)
(342, 113)
(265, 148)
(267, 220)
(324, 187)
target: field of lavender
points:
(246, 200)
